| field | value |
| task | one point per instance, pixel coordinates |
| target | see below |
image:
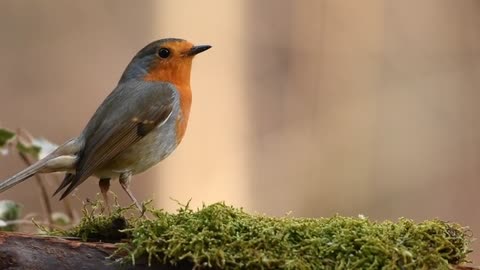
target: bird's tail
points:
(62, 159)
(22, 175)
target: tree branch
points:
(22, 251)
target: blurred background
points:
(316, 107)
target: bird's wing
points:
(128, 114)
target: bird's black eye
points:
(164, 52)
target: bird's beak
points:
(198, 49)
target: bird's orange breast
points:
(185, 104)
(179, 75)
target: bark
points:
(22, 251)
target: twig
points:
(23, 222)
(45, 198)
(23, 134)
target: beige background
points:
(318, 107)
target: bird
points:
(139, 123)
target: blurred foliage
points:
(29, 148)
(5, 136)
(9, 211)
(223, 237)
(33, 147)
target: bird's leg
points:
(124, 180)
(104, 185)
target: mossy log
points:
(218, 237)
(23, 251)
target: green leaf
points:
(5, 136)
(46, 146)
(32, 150)
(9, 211)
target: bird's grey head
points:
(161, 54)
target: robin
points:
(139, 124)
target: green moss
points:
(96, 225)
(223, 237)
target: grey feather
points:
(132, 107)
